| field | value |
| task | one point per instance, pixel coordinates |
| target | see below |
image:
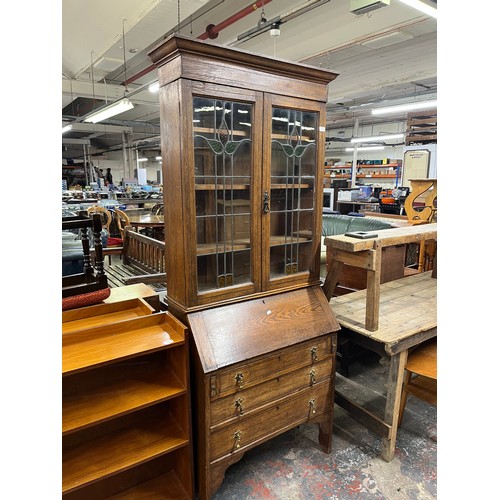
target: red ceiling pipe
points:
(211, 32)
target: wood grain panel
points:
(102, 314)
(292, 317)
(129, 394)
(118, 451)
(225, 409)
(84, 349)
(286, 412)
(274, 365)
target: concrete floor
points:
(292, 467)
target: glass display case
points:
(242, 145)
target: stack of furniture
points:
(244, 150)
(125, 403)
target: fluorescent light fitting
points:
(113, 109)
(377, 138)
(405, 107)
(422, 7)
(154, 87)
(366, 148)
(67, 128)
(142, 159)
(158, 158)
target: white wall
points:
(114, 161)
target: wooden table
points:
(408, 316)
(152, 225)
(146, 220)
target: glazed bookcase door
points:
(226, 177)
(293, 144)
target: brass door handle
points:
(265, 206)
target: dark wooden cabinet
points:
(242, 138)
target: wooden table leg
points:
(332, 278)
(393, 401)
(373, 273)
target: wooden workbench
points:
(388, 318)
(408, 316)
(367, 254)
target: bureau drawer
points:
(244, 375)
(284, 414)
(249, 400)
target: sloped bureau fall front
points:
(263, 366)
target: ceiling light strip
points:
(109, 111)
(377, 138)
(422, 7)
(413, 106)
(366, 148)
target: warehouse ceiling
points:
(383, 57)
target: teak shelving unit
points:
(243, 144)
(125, 406)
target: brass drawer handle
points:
(312, 405)
(239, 404)
(239, 380)
(237, 439)
(314, 354)
(312, 376)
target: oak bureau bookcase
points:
(242, 139)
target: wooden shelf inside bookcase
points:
(212, 248)
(132, 393)
(104, 314)
(244, 244)
(282, 240)
(105, 456)
(213, 187)
(164, 486)
(83, 349)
